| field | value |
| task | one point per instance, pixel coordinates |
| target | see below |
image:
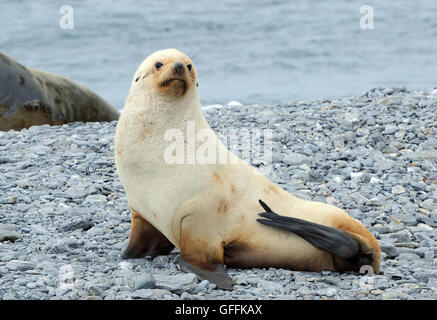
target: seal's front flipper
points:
(145, 239)
(323, 237)
(218, 276)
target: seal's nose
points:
(178, 67)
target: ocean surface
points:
(251, 51)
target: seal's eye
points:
(158, 65)
(189, 66)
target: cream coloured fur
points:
(214, 203)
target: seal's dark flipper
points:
(323, 237)
(218, 276)
(265, 207)
(131, 253)
(145, 240)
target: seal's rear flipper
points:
(218, 276)
(323, 237)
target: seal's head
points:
(166, 72)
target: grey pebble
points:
(177, 283)
(408, 256)
(389, 249)
(400, 236)
(390, 129)
(270, 286)
(160, 261)
(18, 265)
(151, 294)
(38, 229)
(429, 204)
(296, 159)
(144, 281)
(142, 294)
(202, 286)
(76, 223)
(7, 233)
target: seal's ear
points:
(197, 84)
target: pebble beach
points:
(64, 216)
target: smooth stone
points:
(56, 247)
(374, 180)
(303, 291)
(161, 261)
(425, 275)
(242, 279)
(18, 265)
(406, 219)
(428, 204)
(394, 294)
(269, 285)
(405, 245)
(408, 256)
(46, 211)
(7, 255)
(398, 190)
(76, 192)
(76, 223)
(144, 281)
(142, 294)
(426, 226)
(432, 284)
(400, 236)
(203, 286)
(177, 283)
(419, 251)
(296, 159)
(150, 294)
(125, 265)
(390, 129)
(38, 229)
(95, 231)
(389, 249)
(7, 233)
(97, 289)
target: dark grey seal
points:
(31, 97)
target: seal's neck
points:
(178, 112)
(167, 112)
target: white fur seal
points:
(211, 211)
(32, 97)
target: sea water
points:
(250, 51)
